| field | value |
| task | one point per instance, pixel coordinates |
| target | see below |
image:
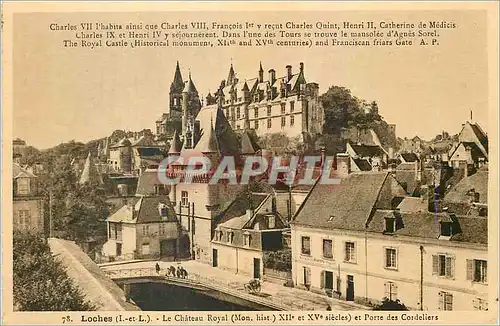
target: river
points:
(166, 297)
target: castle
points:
(285, 104)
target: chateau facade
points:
(279, 104)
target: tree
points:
(41, 282)
(391, 305)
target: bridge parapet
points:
(197, 281)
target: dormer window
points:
(390, 225)
(162, 209)
(271, 221)
(446, 229)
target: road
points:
(295, 299)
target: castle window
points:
(283, 122)
(268, 123)
(283, 109)
(256, 113)
(292, 106)
(268, 110)
(292, 120)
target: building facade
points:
(277, 104)
(28, 212)
(363, 247)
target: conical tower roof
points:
(177, 83)
(248, 145)
(90, 173)
(176, 145)
(189, 86)
(208, 142)
(231, 76)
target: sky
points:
(60, 94)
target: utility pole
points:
(50, 214)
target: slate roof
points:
(344, 206)
(427, 225)
(238, 208)
(410, 157)
(248, 144)
(363, 164)
(148, 210)
(367, 150)
(481, 136)
(147, 182)
(176, 144)
(226, 138)
(149, 151)
(478, 181)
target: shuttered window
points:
(443, 265)
(445, 301)
(391, 290)
(477, 270)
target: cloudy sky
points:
(73, 93)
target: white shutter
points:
(435, 264)
(470, 269)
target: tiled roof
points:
(344, 206)
(478, 181)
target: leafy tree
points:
(41, 282)
(391, 305)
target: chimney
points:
(272, 76)
(343, 165)
(288, 72)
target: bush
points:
(391, 305)
(279, 260)
(41, 282)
